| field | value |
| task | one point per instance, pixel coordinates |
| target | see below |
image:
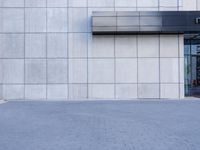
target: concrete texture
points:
(12, 46)
(13, 71)
(47, 42)
(35, 46)
(1, 91)
(128, 125)
(57, 71)
(9, 17)
(126, 46)
(35, 71)
(35, 3)
(57, 45)
(57, 20)
(33, 14)
(16, 90)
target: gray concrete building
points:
(48, 52)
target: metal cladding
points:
(146, 22)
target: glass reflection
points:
(192, 67)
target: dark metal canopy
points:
(146, 22)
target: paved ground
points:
(166, 125)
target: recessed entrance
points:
(192, 65)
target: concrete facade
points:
(47, 51)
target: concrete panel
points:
(35, 3)
(169, 3)
(170, 91)
(180, 3)
(11, 3)
(78, 45)
(1, 71)
(57, 45)
(148, 9)
(78, 20)
(57, 92)
(126, 91)
(149, 3)
(57, 3)
(77, 71)
(35, 92)
(35, 46)
(77, 3)
(13, 92)
(198, 5)
(148, 90)
(189, 5)
(169, 46)
(169, 70)
(35, 71)
(78, 91)
(57, 19)
(101, 46)
(148, 46)
(101, 70)
(126, 70)
(182, 91)
(125, 3)
(100, 3)
(1, 79)
(148, 70)
(126, 46)
(57, 71)
(12, 20)
(13, 71)
(101, 91)
(168, 9)
(181, 45)
(125, 9)
(12, 45)
(35, 19)
(1, 91)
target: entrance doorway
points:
(192, 66)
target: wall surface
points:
(47, 51)
(1, 84)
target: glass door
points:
(192, 68)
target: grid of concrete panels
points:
(47, 52)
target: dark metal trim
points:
(146, 22)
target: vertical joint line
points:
(136, 5)
(137, 67)
(179, 84)
(68, 85)
(46, 52)
(114, 5)
(177, 4)
(87, 55)
(115, 67)
(24, 49)
(159, 69)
